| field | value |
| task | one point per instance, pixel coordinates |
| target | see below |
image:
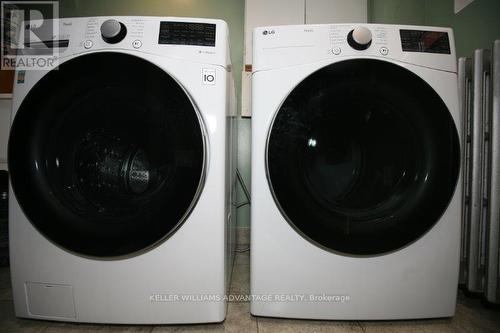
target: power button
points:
(336, 50)
(88, 44)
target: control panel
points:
(136, 31)
(282, 46)
(190, 39)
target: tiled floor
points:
(471, 316)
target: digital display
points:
(425, 41)
(187, 33)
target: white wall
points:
(336, 11)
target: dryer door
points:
(363, 157)
(107, 155)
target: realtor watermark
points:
(288, 298)
(29, 35)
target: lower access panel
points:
(50, 300)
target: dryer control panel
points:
(283, 46)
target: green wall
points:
(476, 26)
(397, 11)
(231, 11)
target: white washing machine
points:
(355, 172)
(122, 173)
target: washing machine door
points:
(363, 157)
(107, 155)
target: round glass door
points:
(363, 157)
(107, 155)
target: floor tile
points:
(242, 258)
(6, 294)
(126, 329)
(413, 326)
(272, 325)
(238, 320)
(209, 328)
(242, 237)
(472, 316)
(240, 284)
(10, 324)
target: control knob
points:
(360, 38)
(113, 31)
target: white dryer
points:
(120, 160)
(355, 172)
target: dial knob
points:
(113, 31)
(360, 38)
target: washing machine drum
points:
(363, 157)
(107, 155)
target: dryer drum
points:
(363, 157)
(108, 155)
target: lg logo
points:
(208, 76)
(268, 32)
